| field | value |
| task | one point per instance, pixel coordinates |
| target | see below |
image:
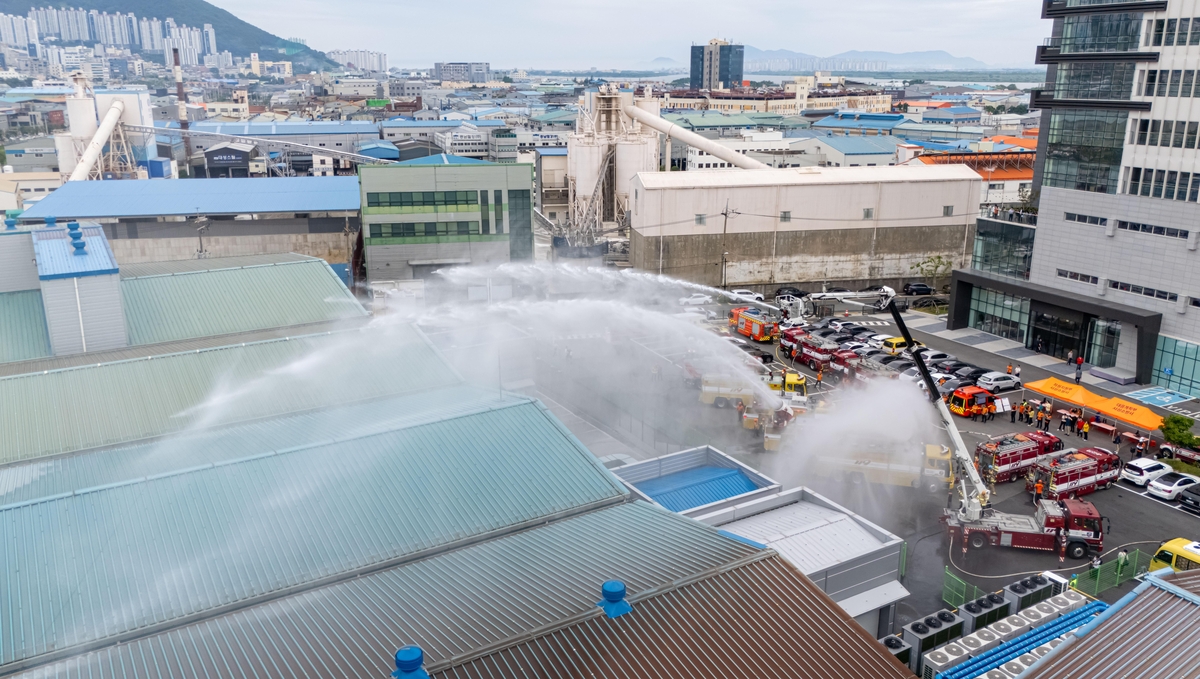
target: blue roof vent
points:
(10, 224)
(614, 603)
(410, 661)
(76, 238)
(51, 221)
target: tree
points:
(506, 79)
(1021, 109)
(1177, 429)
(934, 269)
(1012, 86)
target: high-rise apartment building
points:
(472, 72)
(717, 65)
(1108, 268)
(210, 39)
(18, 31)
(360, 59)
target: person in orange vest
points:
(1039, 418)
(1010, 368)
(1037, 492)
(991, 411)
(820, 375)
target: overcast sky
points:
(627, 33)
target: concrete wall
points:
(330, 247)
(845, 257)
(391, 262)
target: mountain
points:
(935, 60)
(233, 34)
(753, 53)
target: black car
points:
(887, 360)
(840, 338)
(824, 332)
(864, 334)
(973, 374)
(901, 365)
(953, 366)
(948, 387)
(1189, 499)
(794, 292)
(757, 353)
(837, 290)
(821, 323)
(917, 289)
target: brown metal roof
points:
(1189, 580)
(1152, 637)
(764, 619)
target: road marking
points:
(1143, 493)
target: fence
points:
(956, 592)
(1096, 581)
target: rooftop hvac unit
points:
(979, 642)
(1027, 592)
(1027, 660)
(1068, 601)
(1013, 667)
(995, 674)
(899, 648)
(942, 659)
(1048, 610)
(983, 611)
(928, 633)
(1043, 649)
(1059, 582)
(1010, 628)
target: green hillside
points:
(233, 34)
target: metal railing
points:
(956, 591)
(1096, 581)
(1006, 215)
(1107, 43)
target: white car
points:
(696, 299)
(1170, 485)
(704, 313)
(747, 294)
(1142, 470)
(794, 323)
(997, 382)
(878, 340)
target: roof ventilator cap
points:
(410, 663)
(76, 238)
(614, 603)
(51, 221)
(10, 224)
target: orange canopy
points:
(1065, 391)
(1139, 416)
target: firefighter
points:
(1010, 367)
(991, 411)
(1037, 492)
(820, 375)
(741, 409)
(1012, 414)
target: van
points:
(896, 345)
(1180, 554)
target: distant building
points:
(471, 72)
(717, 65)
(360, 59)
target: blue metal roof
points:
(694, 487)
(552, 151)
(852, 120)
(444, 159)
(384, 150)
(167, 197)
(422, 123)
(954, 109)
(288, 128)
(861, 146)
(56, 256)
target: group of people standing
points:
(1074, 421)
(1037, 414)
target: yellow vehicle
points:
(724, 391)
(928, 469)
(788, 382)
(1180, 554)
(896, 344)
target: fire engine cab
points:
(753, 324)
(1072, 527)
(1074, 473)
(1007, 458)
(815, 352)
(964, 399)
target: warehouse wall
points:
(845, 257)
(391, 262)
(330, 247)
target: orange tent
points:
(1065, 391)
(1139, 416)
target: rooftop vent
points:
(76, 238)
(410, 661)
(614, 603)
(50, 222)
(10, 224)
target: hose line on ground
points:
(950, 558)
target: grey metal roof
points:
(112, 403)
(23, 333)
(762, 619)
(450, 604)
(810, 536)
(107, 561)
(201, 303)
(208, 264)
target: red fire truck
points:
(850, 367)
(1184, 453)
(815, 352)
(1075, 527)
(1074, 473)
(1006, 458)
(753, 324)
(790, 340)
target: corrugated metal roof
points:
(449, 604)
(209, 264)
(23, 333)
(80, 200)
(112, 403)
(695, 487)
(56, 256)
(1152, 637)
(760, 620)
(288, 128)
(168, 307)
(108, 560)
(445, 159)
(1187, 580)
(810, 536)
(853, 146)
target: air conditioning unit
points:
(1060, 583)
(1068, 601)
(979, 642)
(995, 674)
(1013, 667)
(899, 648)
(1042, 650)
(942, 659)
(1025, 593)
(1013, 626)
(930, 632)
(983, 611)
(1039, 614)
(1048, 610)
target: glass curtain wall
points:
(1083, 150)
(1100, 33)
(1000, 314)
(1003, 248)
(1177, 365)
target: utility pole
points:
(183, 114)
(724, 240)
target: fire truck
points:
(751, 323)
(815, 352)
(1184, 453)
(788, 382)
(1072, 527)
(1074, 473)
(965, 398)
(1007, 458)
(789, 340)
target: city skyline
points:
(987, 30)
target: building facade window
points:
(785, 216)
(424, 229)
(868, 213)
(1177, 365)
(1101, 33)
(1085, 219)
(947, 210)
(520, 225)
(1112, 81)
(1004, 248)
(421, 198)
(1000, 314)
(1083, 278)
(1169, 185)
(1083, 150)
(1156, 230)
(701, 220)
(1143, 290)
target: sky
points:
(630, 33)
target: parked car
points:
(696, 299)
(952, 366)
(997, 382)
(1142, 470)
(913, 374)
(824, 332)
(823, 322)
(697, 311)
(756, 353)
(838, 290)
(852, 346)
(1170, 485)
(872, 288)
(887, 359)
(946, 388)
(972, 375)
(878, 340)
(747, 294)
(794, 323)
(901, 366)
(917, 289)
(937, 362)
(869, 352)
(794, 292)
